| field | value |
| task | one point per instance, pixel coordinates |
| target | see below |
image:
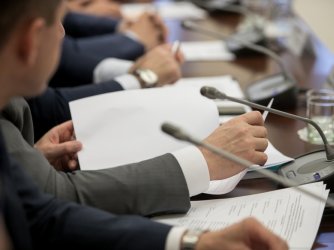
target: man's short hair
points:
(12, 12)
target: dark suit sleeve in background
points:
(83, 25)
(80, 57)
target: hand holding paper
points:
(124, 127)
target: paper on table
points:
(124, 127)
(227, 185)
(167, 10)
(206, 51)
(287, 212)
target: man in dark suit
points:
(29, 49)
(90, 39)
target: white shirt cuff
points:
(195, 169)
(173, 241)
(128, 81)
(110, 68)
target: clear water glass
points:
(321, 110)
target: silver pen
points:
(265, 113)
(176, 46)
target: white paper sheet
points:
(225, 84)
(167, 10)
(124, 127)
(206, 51)
(289, 213)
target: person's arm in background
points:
(79, 58)
(79, 25)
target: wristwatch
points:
(190, 239)
(146, 77)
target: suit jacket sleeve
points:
(150, 187)
(55, 224)
(79, 57)
(82, 25)
(52, 107)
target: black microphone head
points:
(169, 128)
(174, 131)
(211, 93)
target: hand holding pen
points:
(265, 113)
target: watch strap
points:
(190, 239)
(145, 83)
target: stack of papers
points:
(206, 51)
(167, 10)
(289, 213)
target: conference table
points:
(310, 71)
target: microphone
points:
(313, 166)
(251, 28)
(221, 5)
(233, 43)
(330, 77)
(178, 133)
(281, 86)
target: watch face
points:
(148, 76)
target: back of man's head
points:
(14, 12)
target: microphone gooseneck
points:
(190, 25)
(213, 93)
(177, 133)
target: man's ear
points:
(30, 40)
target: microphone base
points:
(308, 168)
(277, 86)
(216, 5)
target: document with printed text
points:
(289, 213)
